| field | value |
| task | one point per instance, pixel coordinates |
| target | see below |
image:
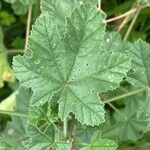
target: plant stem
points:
(13, 113)
(99, 5)
(122, 15)
(124, 95)
(28, 27)
(132, 23)
(14, 51)
(65, 127)
(115, 109)
(126, 19)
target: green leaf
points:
(6, 18)
(144, 109)
(15, 132)
(40, 140)
(140, 53)
(10, 1)
(58, 9)
(6, 73)
(42, 116)
(126, 125)
(97, 143)
(71, 65)
(44, 140)
(114, 42)
(4, 145)
(9, 103)
(129, 127)
(62, 145)
(84, 133)
(19, 8)
(140, 77)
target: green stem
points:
(132, 23)
(115, 109)
(124, 95)
(13, 113)
(12, 51)
(29, 19)
(65, 127)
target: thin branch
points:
(99, 5)
(132, 23)
(13, 113)
(8, 52)
(117, 110)
(122, 15)
(127, 18)
(124, 95)
(125, 21)
(28, 27)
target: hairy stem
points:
(28, 27)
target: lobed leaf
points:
(71, 65)
(140, 53)
(44, 140)
(126, 126)
(58, 9)
(97, 143)
(140, 77)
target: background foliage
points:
(127, 104)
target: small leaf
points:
(40, 140)
(19, 8)
(140, 77)
(140, 53)
(44, 140)
(97, 143)
(126, 126)
(84, 133)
